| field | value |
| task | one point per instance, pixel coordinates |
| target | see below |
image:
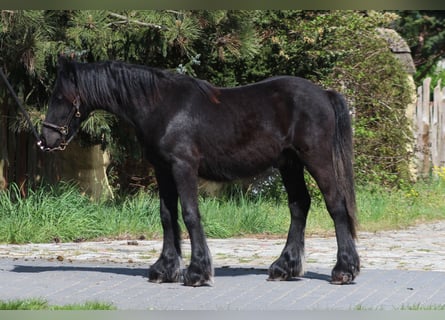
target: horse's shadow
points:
(241, 271)
(143, 272)
(66, 268)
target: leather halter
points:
(63, 130)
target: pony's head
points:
(65, 110)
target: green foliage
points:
(99, 126)
(22, 34)
(337, 49)
(425, 33)
(26, 41)
(375, 85)
(343, 50)
(437, 75)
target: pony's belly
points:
(227, 169)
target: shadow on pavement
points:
(115, 270)
(143, 272)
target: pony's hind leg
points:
(348, 261)
(291, 261)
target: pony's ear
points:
(66, 68)
(62, 62)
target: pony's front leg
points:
(200, 270)
(167, 267)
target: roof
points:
(399, 47)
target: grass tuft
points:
(41, 304)
(63, 214)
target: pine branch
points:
(128, 20)
(175, 12)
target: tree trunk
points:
(86, 166)
(3, 147)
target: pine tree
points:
(425, 33)
(24, 41)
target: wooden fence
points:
(429, 128)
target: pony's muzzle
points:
(60, 145)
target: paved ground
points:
(399, 268)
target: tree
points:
(337, 49)
(167, 39)
(344, 51)
(23, 35)
(377, 87)
(425, 33)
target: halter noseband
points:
(63, 130)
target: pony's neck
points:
(117, 87)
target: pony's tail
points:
(343, 156)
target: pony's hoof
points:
(157, 276)
(344, 277)
(194, 278)
(165, 270)
(282, 270)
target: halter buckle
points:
(64, 130)
(76, 104)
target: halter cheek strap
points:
(63, 130)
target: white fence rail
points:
(429, 128)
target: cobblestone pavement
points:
(399, 268)
(416, 248)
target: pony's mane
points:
(114, 83)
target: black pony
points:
(189, 128)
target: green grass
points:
(40, 304)
(395, 209)
(389, 209)
(64, 214)
(414, 307)
(418, 307)
(237, 217)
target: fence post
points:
(422, 127)
(441, 108)
(417, 129)
(434, 136)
